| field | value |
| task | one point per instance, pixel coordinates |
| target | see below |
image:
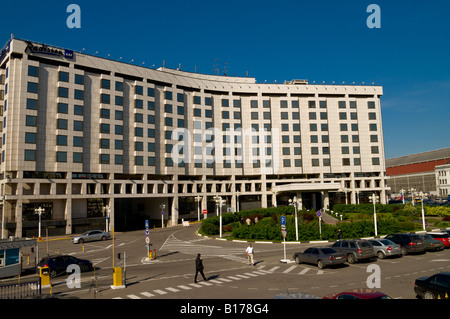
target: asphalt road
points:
(171, 275)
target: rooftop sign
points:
(44, 49)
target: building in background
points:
(92, 140)
(421, 172)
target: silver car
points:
(91, 235)
(385, 248)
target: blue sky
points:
(321, 40)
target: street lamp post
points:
(403, 195)
(237, 201)
(375, 199)
(412, 190)
(422, 195)
(219, 202)
(162, 206)
(295, 203)
(39, 211)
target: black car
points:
(58, 264)
(432, 287)
(409, 243)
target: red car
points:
(362, 293)
(443, 237)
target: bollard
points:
(154, 253)
(28, 259)
(82, 247)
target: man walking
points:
(199, 268)
(250, 253)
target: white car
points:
(91, 235)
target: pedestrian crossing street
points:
(259, 272)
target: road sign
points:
(319, 213)
(205, 211)
(146, 224)
(283, 222)
(284, 233)
(147, 232)
(147, 240)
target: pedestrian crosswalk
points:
(258, 272)
(195, 246)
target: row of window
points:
(77, 157)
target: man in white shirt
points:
(249, 252)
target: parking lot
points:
(171, 275)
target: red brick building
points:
(416, 171)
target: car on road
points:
(320, 256)
(442, 237)
(58, 264)
(409, 243)
(432, 244)
(91, 235)
(385, 248)
(362, 293)
(433, 287)
(354, 249)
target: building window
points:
(315, 162)
(139, 90)
(105, 84)
(77, 157)
(77, 125)
(33, 71)
(375, 161)
(63, 108)
(62, 92)
(105, 98)
(346, 162)
(30, 155)
(104, 143)
(30, 138)
(61, 157)
(31, 104)
(77, 141)
(63, 76)
(61, 140)
(79, 94)
(79, 79)
(373, 127)
(104, 158)
(371, 104)
(30, 120)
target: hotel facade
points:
(92, 141)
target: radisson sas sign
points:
(44, 49)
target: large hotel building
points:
(92, 141)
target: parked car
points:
(385, 248)
(432, 287)
(409, 243)
(58, 264)
(432, 244)
(91, 235)
(321, 256)
(363, 293)
(441, 236)
(354, 249)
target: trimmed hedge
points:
(268, 226)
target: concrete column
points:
(174, 211)
(326, 199)
(68, 216)
(274, 199)
(19, 218)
